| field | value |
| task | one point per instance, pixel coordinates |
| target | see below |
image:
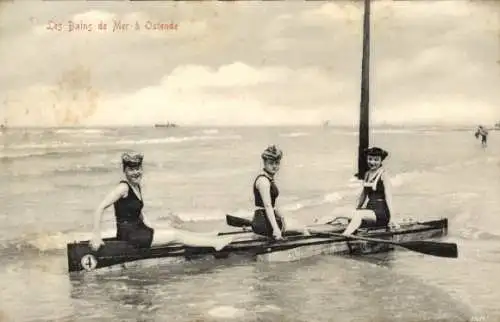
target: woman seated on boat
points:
(268, 220)
(375, 201)
(131, 225)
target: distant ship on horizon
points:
(168, 124)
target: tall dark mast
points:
(364, 110)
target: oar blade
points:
(448, 250)
(237, 221)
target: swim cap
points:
(272, 153)
(132, 159)
(376, 151)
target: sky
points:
(248, 63)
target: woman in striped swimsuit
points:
(374, 207)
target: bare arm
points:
(362, 195)
(279, 212)
(120, 191)
(264, 188)
(277, 208)
(361, 199)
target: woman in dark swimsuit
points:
(131, 225)
(374, 207)
(483, 132)
(268, 220)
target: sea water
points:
(53, 179)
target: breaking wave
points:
(82, 131)
(167, 140)
(226, 312)
(58, 147)
(210, 131)
(43, 242)
(294, 134)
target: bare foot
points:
(222, 242)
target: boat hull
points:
(295, 247)
(342, 246)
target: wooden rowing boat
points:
(295, 247)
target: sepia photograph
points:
(212, 161)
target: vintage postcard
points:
(250, 160)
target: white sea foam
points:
(226, 312)
(268, 308)
(59, 240)
(82, 131)
(401, 178)
(202, 215)
(210, 131)
(167, 140)
(294, 134)
(333, 197)
(395, 131)
(20, 154)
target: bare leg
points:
(294, 225)
(357, 218)
(202, 240)
(163, 236)
(337, 212)
(190, 239)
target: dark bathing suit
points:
(484, 138)
(260, 222)
(129, 226)
(377, 203)
(483, 134)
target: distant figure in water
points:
(483, 133)
(268, 219)
(131, 224)
(374, 206)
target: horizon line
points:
(162, 125)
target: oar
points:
(425, 247)
(242, 222)
(438, 249)
(237, 221)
